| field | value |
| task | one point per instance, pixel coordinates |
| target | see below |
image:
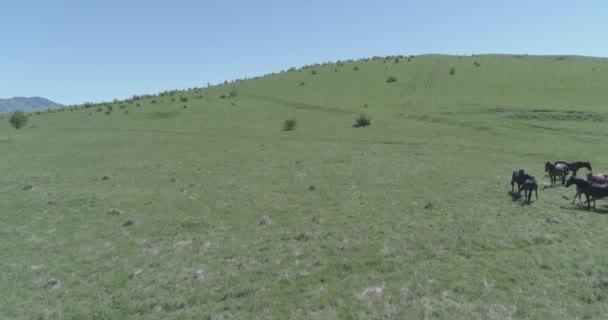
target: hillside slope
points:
(196, 204)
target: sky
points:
(92, 51)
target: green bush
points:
(452, 71)
(18, 119)
(290, 124)
(391, 79)
(233, 93)
(362, 121)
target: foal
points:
(528, 186)
(518, 177)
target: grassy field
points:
(190, 205)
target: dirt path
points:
(431, 76)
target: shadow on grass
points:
(515, 196)
(550, 186)
(583, 208)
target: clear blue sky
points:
(87, 50)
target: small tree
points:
(18, 119)
(362, 121)
(290, 124)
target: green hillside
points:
(196, 204)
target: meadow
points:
(195, 204)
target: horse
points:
(591, 190)
(556, 170)
(518, 177)
(575, 165)
(528, 186)
(600, 178)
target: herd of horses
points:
(594, 187)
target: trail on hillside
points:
(431, 76)
(297, 105)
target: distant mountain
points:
(27, 104)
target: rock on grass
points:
(265, 221)
(52, 283)
(135, 273)
(114, 212)
(306, 236)
(370, 293)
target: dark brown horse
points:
(528, 186)
(575, 165)
(518, 177)
(556, 170)
(600, 178)
(592, 191)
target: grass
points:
(410, 218)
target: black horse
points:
(528, 186)
(591, 190)
(519, 177)
(575, 165)
(556, 170)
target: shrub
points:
(233, 93)
(302, 83)
(18, 119)
(452, 71)
(356, 68)
(391, 79)
(183, 99)
(362, 121)
(290, 124)
(313, 72)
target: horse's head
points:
(548, 166)
(587, 165)
(570, 181)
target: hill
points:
(196, 204)
(32, 104)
